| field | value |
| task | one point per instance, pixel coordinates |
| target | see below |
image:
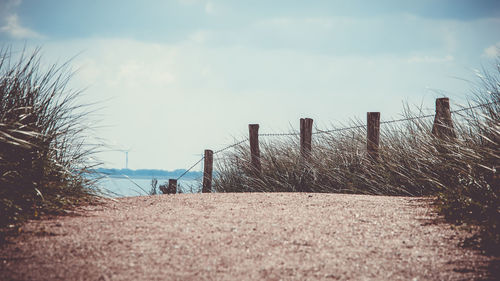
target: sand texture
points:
(244, 236)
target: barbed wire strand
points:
(230, 146)
(279, 134)
(215, 152)
(333, 130)
(337, 129)
(474, 107)
(194, 165)
(402, 119)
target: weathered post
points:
(172, 186)
(373, 134)
(254, 147)
(305, 137)
(305, 153)
(443, 125)
(207, 171)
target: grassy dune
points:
(43, 155)
(461, 173)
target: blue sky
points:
(177, 77)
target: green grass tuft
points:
(43, 154)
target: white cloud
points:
(210, 8)
(14, 29)
(133, 71)
(430, 59)
(199, 37)
(276, 22)
(190, 2)
(313, 22)
(492, 51)
(342, 35)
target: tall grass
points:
(43, 155)
(461, 173)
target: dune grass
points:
(43, 154)
(461, 173)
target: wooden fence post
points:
(305, 137)
(172, 186)
(254, 146)
(443, 124)
(207, 171)
(373, 134)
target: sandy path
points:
(279, 236)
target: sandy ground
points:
(257, 236)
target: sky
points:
(172, 78)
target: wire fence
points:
(190, 168)
(333, 131)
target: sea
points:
(127, 186)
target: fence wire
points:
(230, 146)
(279, 134)
(474, 107)
(215, 152)
(194, 165)
(333, 131)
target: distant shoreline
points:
(147, 173)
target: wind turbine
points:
(126, 151)
(126, 157)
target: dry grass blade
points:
(461, 171)
(41, 139)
